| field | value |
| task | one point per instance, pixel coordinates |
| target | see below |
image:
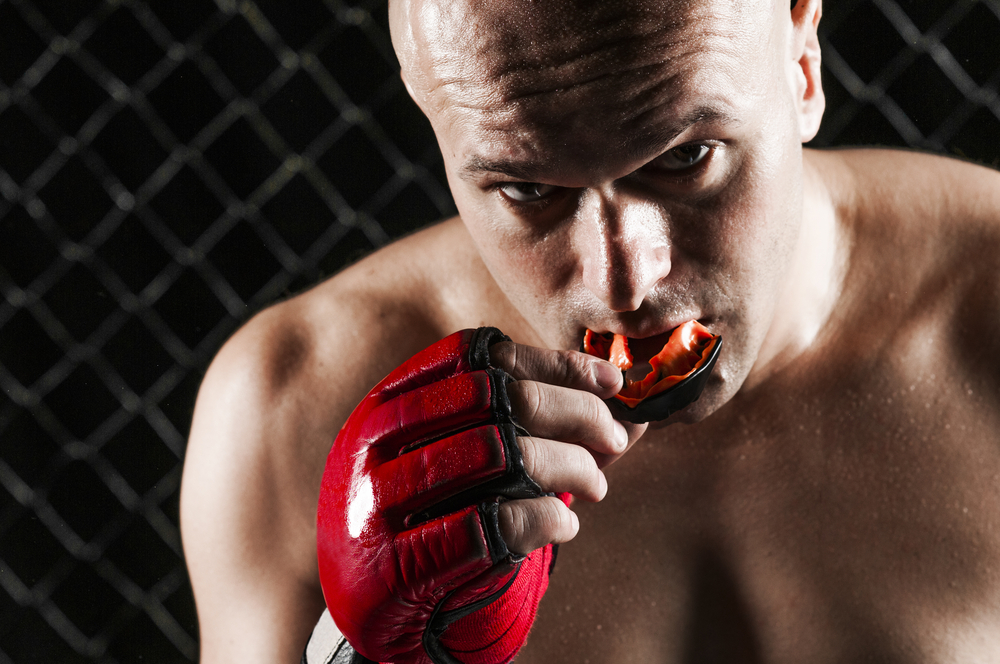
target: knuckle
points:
(558, 518)
(585, 468)
(526, 399)
(503, 355)
(596, 413)
(544, 519)
(574, 460)
(605, 420)
(575, 366)
(511, 518)
(529, 524)
(531, 454)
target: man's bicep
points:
(247, 527)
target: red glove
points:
(413, 567)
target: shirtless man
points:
(625, 166)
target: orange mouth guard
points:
(678, 374)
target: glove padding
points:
(413, 567)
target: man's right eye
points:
(681, 158)
(526, 192)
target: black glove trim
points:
(489, 516)
(479, 346)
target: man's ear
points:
(804, 62)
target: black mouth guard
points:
(663, 405)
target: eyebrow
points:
(477, 164)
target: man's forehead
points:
(555, 80)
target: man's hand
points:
(434, 531)
(558, 397)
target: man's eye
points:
(680, 158)
(526, 192)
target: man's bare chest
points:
(832, 526)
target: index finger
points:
(565, 368)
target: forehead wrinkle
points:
(644, 119)
(513, 75)
(623, 103)
(519, 46)
(681, 80)
(627, 55)
(626, 84)
(493, 40)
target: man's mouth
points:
(663, 373)
(644, 349)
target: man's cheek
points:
(523, 255)
(532, 272)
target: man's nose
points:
(625, 249)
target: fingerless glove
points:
(412, 563)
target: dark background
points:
(167, 168)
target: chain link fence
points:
(168, 168)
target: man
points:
(625, 167)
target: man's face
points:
(622, 166)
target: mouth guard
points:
(679, 372)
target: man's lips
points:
(669, 380)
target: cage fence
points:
(167, 169)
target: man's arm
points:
(246, 518)
(267, 412)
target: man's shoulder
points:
(336, 340)
(925, 248)
(920, 212)
(925, 191)
(269, 409)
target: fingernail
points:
(606, 374)
(621, 436)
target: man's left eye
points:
(526, 192)
(680, 158)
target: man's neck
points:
(815, 277)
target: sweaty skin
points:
(834, 496)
